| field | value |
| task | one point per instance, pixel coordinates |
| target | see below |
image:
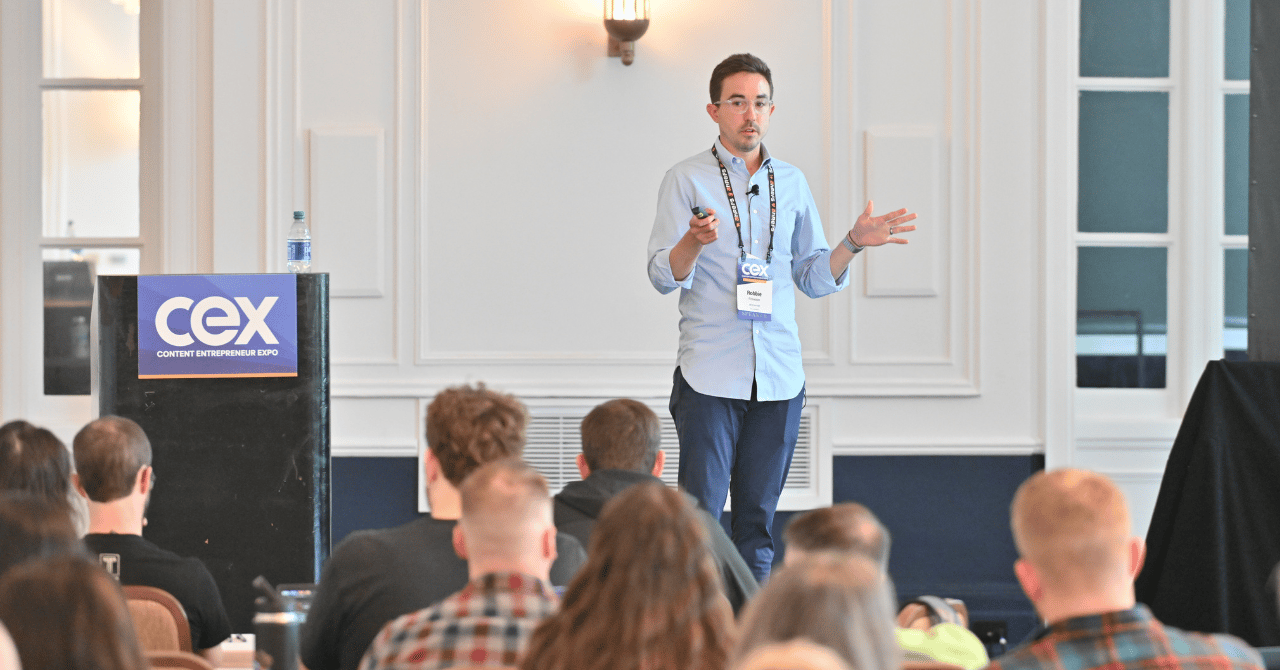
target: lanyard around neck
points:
(733, 207)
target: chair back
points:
(184, 660)
(159, 619)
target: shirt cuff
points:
(836, 283)
(660, 272)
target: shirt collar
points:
(1138, 614)
(733, 162)
(510, 582)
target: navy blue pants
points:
(741, 449)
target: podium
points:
(241, 464)
(1215, 532)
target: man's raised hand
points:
(873, 231)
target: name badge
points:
(755, 290)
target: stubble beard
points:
(748, 144)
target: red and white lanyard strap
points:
(733, 207)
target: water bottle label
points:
(299, 250)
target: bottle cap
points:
(298, 215)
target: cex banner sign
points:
(217, 326)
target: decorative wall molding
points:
(942, 310)
(349, 209)
(184, 227)
(282, 128)
(903, 165)
(354, 448)
(944, 447)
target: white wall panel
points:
(375, 427)
(543, 172)
(904, 167)
(348, 216)
(239, 70)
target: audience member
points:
(507, 536)
(1077, 564)
(65, 613)
(842, 601)
(113, 465)
(794, 655)
(33, 459)
(620, 448)
(850, 527)
(33, 526)
(648, 597)
(847, 527)
(375, 576)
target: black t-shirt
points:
(374, 576)
(137, 562)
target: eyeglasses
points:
(739, 105)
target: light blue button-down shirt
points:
(720, 354)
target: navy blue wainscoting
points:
(949, 521)
(372, 493)
(948, 516)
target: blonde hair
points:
(648, 597)
(847, 604)
(1073, 525)
(504, 503)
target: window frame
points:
(1195, 237)
(22, 238)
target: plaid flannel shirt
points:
(488, 622)
(1127, 639)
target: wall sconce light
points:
(626, 21)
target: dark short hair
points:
(622, 434)
(34, 527)
(735, 64)
(846, 527)
(109, 453)
(33, 459)
(470, 426)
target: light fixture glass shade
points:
(625, 21)
(626, 10)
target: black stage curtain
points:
(1215, 532)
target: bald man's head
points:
(1073, 526)
(506, 507)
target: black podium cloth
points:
(242, 464)
(1215, 533)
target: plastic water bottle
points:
(299, 252)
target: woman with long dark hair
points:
(648, 598)
(34, 460)
(67, 613)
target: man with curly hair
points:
(375, 576)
